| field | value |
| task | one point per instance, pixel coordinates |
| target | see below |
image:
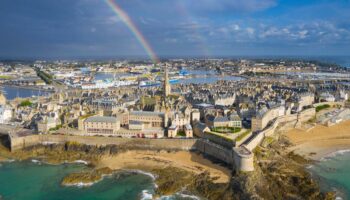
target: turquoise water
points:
(37, 181)
(334, 172)
(27, 180)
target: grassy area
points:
(267, 141)
(149, 100)
(221, 135)
(86, 116)
(47, 78)
(312, 120)
(26, 103)
(226, 129)
(5, 77)
(181, 133)
(243, 135)
(322, 107)
(55, 128)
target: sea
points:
(12, 92)
(34, 180)
(333, 173)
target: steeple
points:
(167, 89)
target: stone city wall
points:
(243, 159)
(218, 140)
(214, 150)
(156, 144)
(302, 116)
(204, 146)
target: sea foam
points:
(81, 162)
(188, 196)
(334, 154)
(146, 195)
(178, 194)
(36, 161)
(81, 184)
(144, 173)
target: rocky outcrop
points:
(278, 175)
(171, 180)
(86, 178)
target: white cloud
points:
(112, 19)
(303, 34)
(171, 40)
(231, 5)
(250, 30)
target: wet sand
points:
(188, 161)
(321, 140)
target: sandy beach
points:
(189, 161)
(321, 140)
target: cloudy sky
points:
(90, 28)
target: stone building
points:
(305, 99)
(172, 130)
(98, 125)
(46, 124)
(149, 119)
(188, 131)
(5, 114)
(260, 121)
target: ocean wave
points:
(309, 166)
(36, 161)
(188, 196)
(334, 154)
(179, 195)
(144, 173)
(88, 184)
(81, 184)
(81, 162)
(146, 195)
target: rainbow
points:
(133, 28)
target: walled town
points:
(222, 108)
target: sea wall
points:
(136, 143)
(243, 159)
(218, 140)
(214, 150)
(202, 145)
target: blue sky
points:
(89, 28)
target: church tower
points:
(167, 88)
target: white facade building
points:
(5, 114)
